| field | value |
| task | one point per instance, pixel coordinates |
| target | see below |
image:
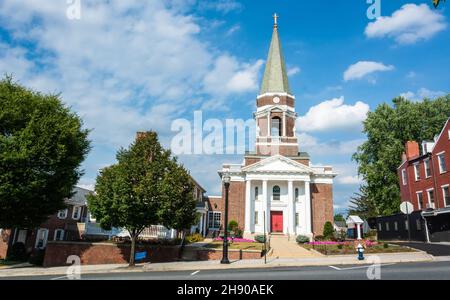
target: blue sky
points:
(127, 66)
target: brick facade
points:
(236, 203)
(321, 206)
(410, 187)
(4, 242)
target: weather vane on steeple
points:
(275, 20)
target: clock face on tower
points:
(276, 100)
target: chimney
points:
(411, 149)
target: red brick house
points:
(424, 179)
(65, 225)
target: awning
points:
(435, 212)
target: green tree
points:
(388, 128)
(328, 230)
(42, 145)
(339, 218)
(145, 187)
(361, 205)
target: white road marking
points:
(57, 278)
(192, 274)
(359, 267)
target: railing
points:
(159, 232)
(95, 229)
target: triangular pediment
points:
(278, 163)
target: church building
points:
(276, 189)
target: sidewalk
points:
(215, 265)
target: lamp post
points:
(226, 182)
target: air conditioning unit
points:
(430, 205)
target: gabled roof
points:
(275, 78)
(278, 163)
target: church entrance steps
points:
(284, 247)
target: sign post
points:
(407, 208)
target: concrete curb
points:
(215, 265)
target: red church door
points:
(276, 221)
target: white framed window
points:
(297, 219)
(256, 193)
(448, 133)
(426, 163)
(276, 193)
(76, 212)
(441, 162)
(296, 194)
(446, 194)
(58, 235)
(256, 218)
(396, 226)
(404, 181)
(419, 200)
(214, 218)
(430, 194)
(41, 238)
(62, 214)
(380, 227)
(417, 172)
(387, 226)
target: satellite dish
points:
(406, 207)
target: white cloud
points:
(124, 66)
(224, 6)
(233, 29)
(293, 71)
(312, 145)
(363, 68)
(409, 24)
(421, 94)
(333, 115)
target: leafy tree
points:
(145, 187)
(437, 2)
(362, 206)
(42, 144)
(339, 218)
(328, 230)
(388, 128)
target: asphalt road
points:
(432, 248)
(404, 271)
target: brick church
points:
(276, 186)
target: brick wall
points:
(233, 254)
(56, 253)
(236, 203)
(322, 206)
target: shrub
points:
(385, 245)
(328, 230)
(18, 252)
(238, 233)
(301, 239)
(233, 225)
(194, 238)
(37, 257)
(340, 246)
(260, 238)
(319, 238)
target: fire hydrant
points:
(360, 249)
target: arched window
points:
(296, 194)
(276, 192)
(256, 193)
(276, 127)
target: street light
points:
(226, 182)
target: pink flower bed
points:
(367, 243)
(235, 240)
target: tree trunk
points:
(132, 250)
(183, 236)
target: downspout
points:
(427, 235)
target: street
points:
(400, 271)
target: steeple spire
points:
(275, 78)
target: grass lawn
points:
(242, 246)
(350, 249)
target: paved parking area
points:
(433, 248)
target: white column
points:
(266, 205)
(307, 208)
(358, 227)
(284, 124)
(249, 211)
(268, 124)
(291, 208)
